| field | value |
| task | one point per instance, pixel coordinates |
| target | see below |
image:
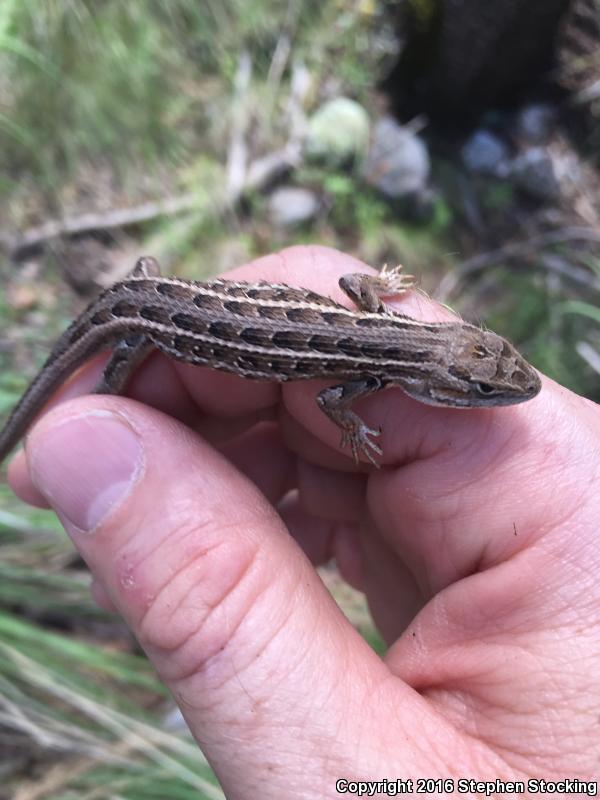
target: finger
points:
(260, 455)
(325, 539)
(20, 481)
(101, 597)
(330, 494)
(215, 590)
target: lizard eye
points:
(484, 388)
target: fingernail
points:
(85, 466)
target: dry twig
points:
(259, 173)
(514, 250)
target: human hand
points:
(475, 544)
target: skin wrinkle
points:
(522, 625)
(513, 757)
(204, 665)
(419, 451)
(430, 711)
(173, 578)
(256, 654)
(194, 526)
(315, 535)
(450, 492)
(472, 714)
(425, 581)
(150, 553)
(450, 692)
(560, 522)
(144, 623)
(460, 632)
(579, 589)
(504, 766)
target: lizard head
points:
(483, 369)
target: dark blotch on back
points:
(255, 336)
(288, 339)
(172, 290)
(338, 319)
(124, 308)
(276, 313)
(268, 291)
(101, 316)
(189, 323)
(231, 289)
(322, 344)
(280, 367)
(397, 354)
(373, 322)
(207, 302)
(371, 351)
(349, 347)
(306, 315)
(240, 308)
(222, 330)
(155, 314)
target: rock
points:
(485, 153)
(291, 206)
(397, 163)
(535, 123)
(533, 172)
(338, 132)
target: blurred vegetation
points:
(136, 86)
(103, 105)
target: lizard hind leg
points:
(129, 352)
(146, 267)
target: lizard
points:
(282, 333)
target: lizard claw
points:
(358, 440)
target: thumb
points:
(223, 601)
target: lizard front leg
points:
(335, 401)
(367, 290)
